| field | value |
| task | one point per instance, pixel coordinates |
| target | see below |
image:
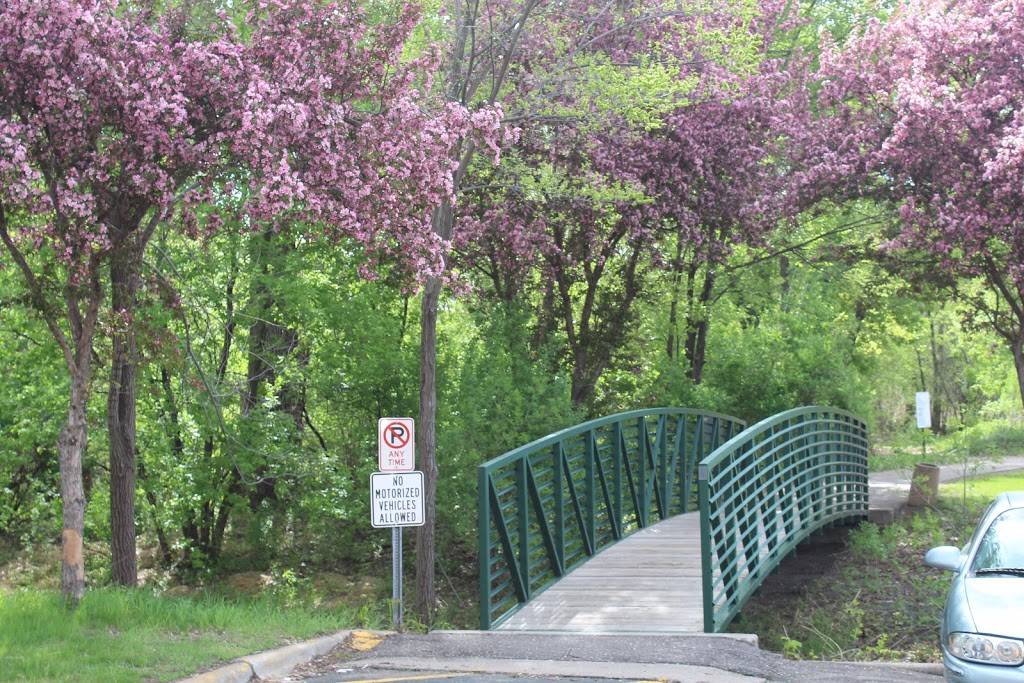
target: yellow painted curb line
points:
(407, 678)
(364, 641)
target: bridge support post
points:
(706, 565)
(483, 551)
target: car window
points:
(977, 529)
(1003, 542)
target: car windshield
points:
(1002, 546)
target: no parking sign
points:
(396, 440)
(396, 494)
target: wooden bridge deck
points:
(650, 581)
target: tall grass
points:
(987, 440)
(135, 635)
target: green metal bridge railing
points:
(766, 490)
(548, 506)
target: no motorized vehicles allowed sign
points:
(396, 499)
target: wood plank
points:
(650, 581)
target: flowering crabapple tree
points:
(926, 111)
(113, 122)
(597, 206)
(541, 61)
(717, 175)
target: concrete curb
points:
(235, 672)
(576, 668)
(280, 662)
(271, 663)
(920, 667)
(749, 638)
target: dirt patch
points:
(342, 589)
(248, 583)
(815, 558)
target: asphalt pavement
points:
(500, 657)
(384, 676)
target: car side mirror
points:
(944, 557)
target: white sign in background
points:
(396, 499)
(924, 410)
(396, 443)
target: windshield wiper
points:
(1000, 570)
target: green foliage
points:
(33, 387)
(503, 396)
(866, 541)
(984, 488)
(878, 601)
(641, 94)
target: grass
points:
(877, 600)
(136, 635)
(989, 440)
(985, 488)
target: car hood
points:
(996, 604)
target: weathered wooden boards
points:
(648, 582)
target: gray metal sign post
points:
(396, 577)
(394, 507)
(396, 501)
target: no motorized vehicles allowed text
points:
(396, 499)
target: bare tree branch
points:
(36, 290)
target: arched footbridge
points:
(660, 520)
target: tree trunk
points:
(786, 274)
(672, 343)
(546, 318)
(271, 341)
(583, 384)
(700, 343)
(697, 328)
(166, 556)
(71, 447)
(121, 419)
(1018, 363)
(426, 447)
(938, 382)
(426, 431)
(73, 438)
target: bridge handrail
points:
(789, 475)
(579, 490)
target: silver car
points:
(983, 622)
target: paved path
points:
(562, 657)
(651, 581)
(889, 489)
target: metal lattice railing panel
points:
(548, 506)
(765, 490)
